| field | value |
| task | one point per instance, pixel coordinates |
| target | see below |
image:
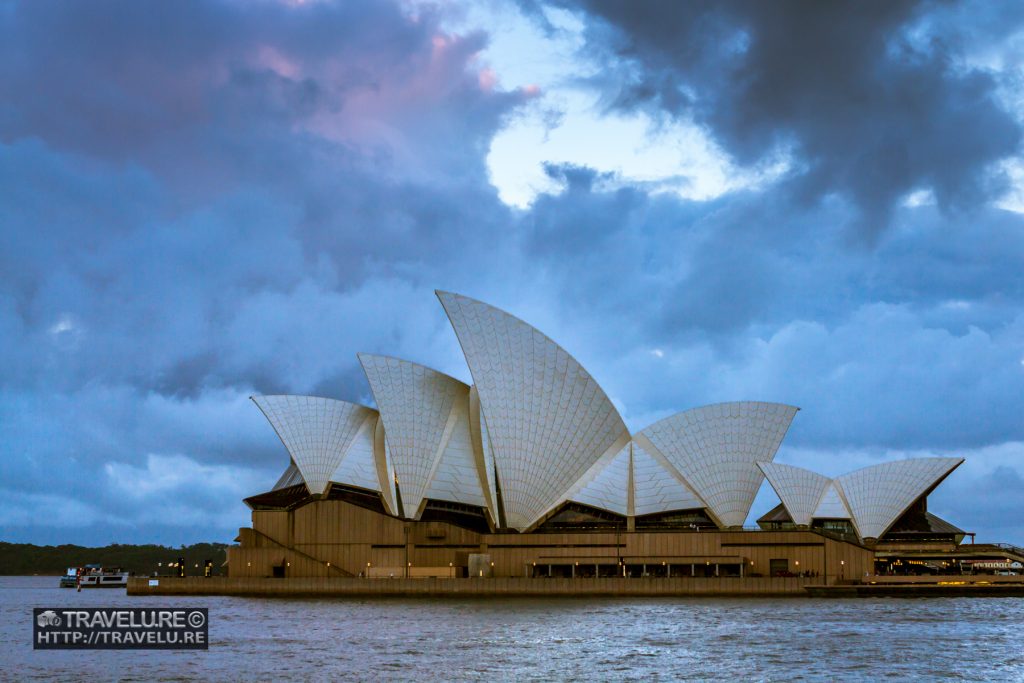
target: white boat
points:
(94, 576)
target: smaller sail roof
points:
(291, 477)
(657, 489)
(799, 490)
(609, 488)
(483, 455)
(456, 477)
(426, 418)
(358, 467)
(873, 497)
(878, 495)
(716, 449)
(831, 505)
(316, 431)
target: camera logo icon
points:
(48, 618)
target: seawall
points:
(919, 590)
(485, 587)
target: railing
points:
(837, 535)
(1012, 548)
(309, 557)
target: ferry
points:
(94, 576)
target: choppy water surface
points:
(532, 639)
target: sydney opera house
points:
(531, 472)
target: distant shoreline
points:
(27, 559)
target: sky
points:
(204, 200)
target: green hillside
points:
(21, 559)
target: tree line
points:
(26, 559)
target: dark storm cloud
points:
(871, 102)
(320, 138)
(204, 200)
(116, 78)
(761, 258)
(915, 343)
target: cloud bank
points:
(204, 200)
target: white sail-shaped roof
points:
(357, 467)
(549, 421)
(799, 490)
(482, 455)
(385, 472)
(426, 425)
(456, 477)
(291, 477)
(716, 449)
(831, 505)
(880, 494)
(658, 489)
(316, 431)
(608, 489)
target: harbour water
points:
(529, 639)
